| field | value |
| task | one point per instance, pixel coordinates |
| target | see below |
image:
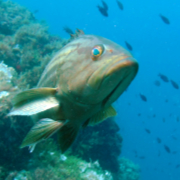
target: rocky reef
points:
(26, 47)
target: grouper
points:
(76, 89)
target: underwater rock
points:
(6, 77)
(12, 16)
(48, 164)
(128, 170)
(101, 142)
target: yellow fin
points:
(33, 101)
(102, 115)
(32, 94)
(42, 130)
(67, 135)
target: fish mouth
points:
(119, 75)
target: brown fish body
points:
(76, 89)
(73, 92)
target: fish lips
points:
(118, 77)
(112, 79)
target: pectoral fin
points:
(41, 131)
(67, 135)
(33, 101)
(102, 115)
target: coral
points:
(7, 78)
(13, 16)
(50, 165)
(128, 170)
(25, 44)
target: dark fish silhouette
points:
(103, 10)
(167, 149)
(177, 119)
(178, 165)
(139, 114)
(142, 157)
(120, 5)
(157, 83)
(159, 153)
(175, 138)
(148, 131)
(164, 120)
(105, 5)
(143, 97)
(174, 84)
(164, 19)
(128, 46)
(164, 78)
(68, 30)
(158, 140)
(36, 11)
(174, 152)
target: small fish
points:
(139, 114)
(175, 138)
(174, 84)
(154, 115)
(159, 153)
(164, 120)
(164, 78)
(68, 30)
(178, 165)
(157, 83)
(120, 5)
(105, 5)
(103, 10)
(142, 157)
(167, 149)
(143, 97)
(36, 11)
(158, 140)
(135, 153)
(76, 89)
(164, 19)
(128, 46)
(148, 131)
(174, 152)
(177, 118)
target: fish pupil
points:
(96, 52)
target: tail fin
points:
(41, 131)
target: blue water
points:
(156, 47)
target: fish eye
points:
(97, 51)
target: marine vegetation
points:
(25, 49)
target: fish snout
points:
(118, 77)
(122, 66)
